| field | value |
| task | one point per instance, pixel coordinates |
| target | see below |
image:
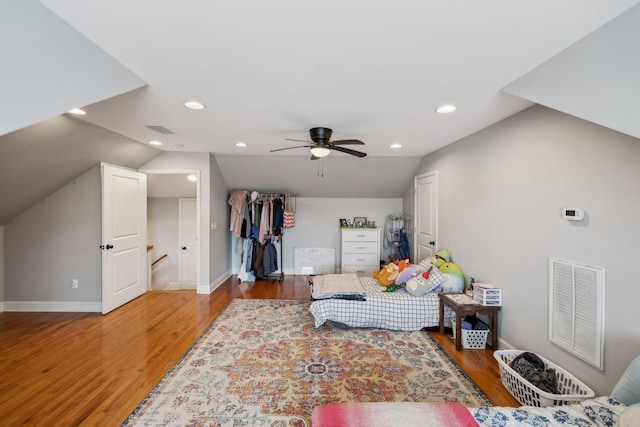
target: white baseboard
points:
(505, 345)
(57, 306)
(207, 289)
(1, 306)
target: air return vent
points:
(160, 129)
(576, 310)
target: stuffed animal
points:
(454, 278)
(387, 276)
(426, 282)
(402, 264)
(408, 273)
(441, 257)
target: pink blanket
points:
(372, 414)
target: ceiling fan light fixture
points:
(320, 151)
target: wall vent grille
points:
(160, 129)
(576, 310)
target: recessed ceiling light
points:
(445, 109)
(154, 142)
(395, 145)
(192, 178)
(241, 144)
(178, 146)
(77, 112)
(194, 105)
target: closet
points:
(258, 221)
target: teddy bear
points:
(387, 275)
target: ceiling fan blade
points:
(297, 140)
(349, 151)
(290, 148)
(347, 142)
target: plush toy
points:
(408, 273)
(402, 264)
(387, 276)
(426, 282)
(441, 257)
(454, 278)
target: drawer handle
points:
(360, 247)
(360, 259)
(361, 235)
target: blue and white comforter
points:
(601, 411)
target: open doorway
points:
(172, 230)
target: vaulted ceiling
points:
(266, 71)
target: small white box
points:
(487, 296)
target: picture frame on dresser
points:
(343, 222)
(360, 221)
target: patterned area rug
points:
(262, 362)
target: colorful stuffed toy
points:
(402, 264)
(454, 278)
(408, 273)
(441, 257)
(387, 276)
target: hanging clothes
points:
(237, 201)
(269, 258)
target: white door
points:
(124, 236)
(426, 215)
(188, 235)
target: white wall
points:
(163, 234)
(501, 192)
(317, 224)
(52, 243)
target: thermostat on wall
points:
(573, 214)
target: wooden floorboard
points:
(68, 369)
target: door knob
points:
(184, 248)
(109, 246)
(432, 243)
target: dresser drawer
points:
(360, 259)
(363, 235)
(360, 270)
(360, 247)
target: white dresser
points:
(360, 250)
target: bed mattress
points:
(397, 310)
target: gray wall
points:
(215, 262)
(317, 224)
(219, 244)
(56, 241)
(501, 192)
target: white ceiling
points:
(267, 71)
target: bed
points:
(397, 310)
(620, 408)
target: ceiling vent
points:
(160, 129)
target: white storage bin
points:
(474, 339)
(486, 296)
(570, 389)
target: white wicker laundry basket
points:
(570, 389)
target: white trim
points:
(214, 285)
(287, 271)
(1, 306)
(57, 306)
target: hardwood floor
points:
(69, 369)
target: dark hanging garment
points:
(270, 259)
(278, 213)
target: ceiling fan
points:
(322, 145)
